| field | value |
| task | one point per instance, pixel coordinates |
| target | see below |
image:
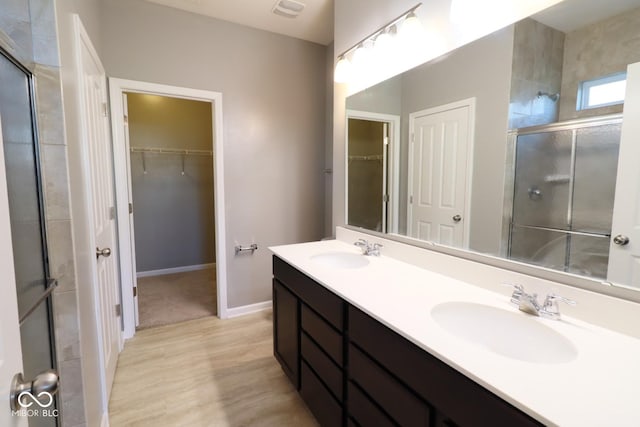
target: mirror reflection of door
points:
(438, 179)
(367, 177)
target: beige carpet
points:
(174, 298)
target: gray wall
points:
(603, 48)
(173, 215)
(482, 70)
(274, 105)
(328, 144)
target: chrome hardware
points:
(550, 307)
(529, 303)
(534, 193)
(456, 218)
(518, 290)
(106, 252)
(621, 240)
(42, 388)
(252, 248)
(368, 248)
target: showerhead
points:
(552, 96)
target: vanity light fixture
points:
(381, 40)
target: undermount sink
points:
(512, 334)
(341, 260)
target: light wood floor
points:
(206, 372)
(174, 298)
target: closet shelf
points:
(172, 151)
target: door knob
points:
(41, 390)
(106, 252)
(457, 218)
(621, 240)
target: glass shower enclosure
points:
(564, 187)
(26, 212)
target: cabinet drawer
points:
(324, 407)
(322, 333)
(322, 365)
(465, 402)
(390, 394)
(315, 295)
(363, 411)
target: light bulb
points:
(343, 71)
(362, 57)
(411, 27)
(383, 41)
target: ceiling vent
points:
(288, 8)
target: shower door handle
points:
(456, 218)
(621, 240)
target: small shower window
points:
(603, 91)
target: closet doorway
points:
(170, 230)
(171, 152)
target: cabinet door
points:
(286, 337)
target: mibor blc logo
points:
(35, 406)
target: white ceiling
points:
(314, 24)
(570, 15)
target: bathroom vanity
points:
(361, 343)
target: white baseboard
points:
(248, 309)
(173, 270)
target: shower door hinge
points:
(104, 109)
(118, 310)
(135, 291)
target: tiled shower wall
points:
(28, 32)
(537, 67)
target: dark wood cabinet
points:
(286, 336)
(352, 370)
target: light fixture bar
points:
(388, 24)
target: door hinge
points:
(104, 109)
(118, 310)
(126, 119)
(413, 137)
(385, 198)
(130, 208)
(386, 140)
(135, 291)
(410, 199)
(112, 212)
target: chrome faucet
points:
(529, 303)
(368, 248)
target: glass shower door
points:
(28, 238)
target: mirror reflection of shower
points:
(564, 186)
(552, 96)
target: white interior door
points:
(438, 172)
(10, 348)
(130, 251)
(97, 139)
(624, 253)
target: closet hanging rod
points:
(172, 151)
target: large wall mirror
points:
(508, 146)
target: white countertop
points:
(599, 388)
